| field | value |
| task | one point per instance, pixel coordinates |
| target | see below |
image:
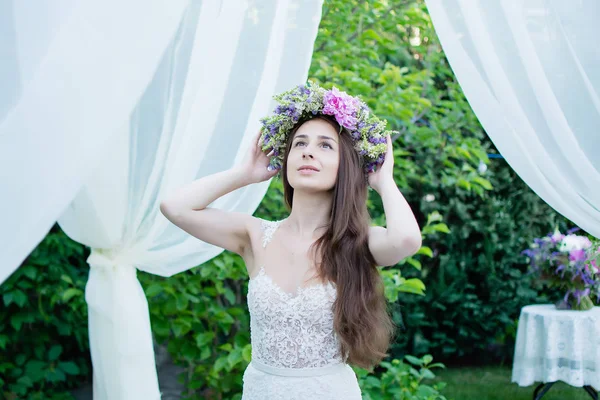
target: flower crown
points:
(367, 131)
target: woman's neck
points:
(310, 214)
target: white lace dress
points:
(295, 351)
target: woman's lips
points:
(307, 171)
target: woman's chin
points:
(309, 185)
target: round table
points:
(557, 345)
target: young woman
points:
(315, 296)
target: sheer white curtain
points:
(194, 114)
(531, 72)
(70, 74)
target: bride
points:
(315, 296)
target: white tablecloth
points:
(555, 345)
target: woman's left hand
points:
(384, 171)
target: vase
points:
(585, 303)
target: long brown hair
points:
(361, 318)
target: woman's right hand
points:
(256, 162)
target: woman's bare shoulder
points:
(255, 227)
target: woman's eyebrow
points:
(320, 137)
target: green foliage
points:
(478, 280)
(43, 322)
(402, 380)
(201, 315)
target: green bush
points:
(478, 281)
(402, 381)
(43, 322)
(202, 317)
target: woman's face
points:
(315, 144)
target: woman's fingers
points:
(257, 139)
(258, 145)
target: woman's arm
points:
(402, 237)
(202, 192)
(187, 207)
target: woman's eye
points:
(324, 143)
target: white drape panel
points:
(196, 117)
(531, 72)
(70, 74)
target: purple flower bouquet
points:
(569, 262)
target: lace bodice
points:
(291, 330)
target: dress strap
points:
(268, 229)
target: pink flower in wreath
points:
(577, 255)
(341, 105)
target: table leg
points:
(541, 390)
(592, 392)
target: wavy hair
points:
(361, 319)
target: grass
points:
(493, 383)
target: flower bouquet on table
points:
(570, 262)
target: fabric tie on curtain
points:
(531, 72)
(119, 329)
